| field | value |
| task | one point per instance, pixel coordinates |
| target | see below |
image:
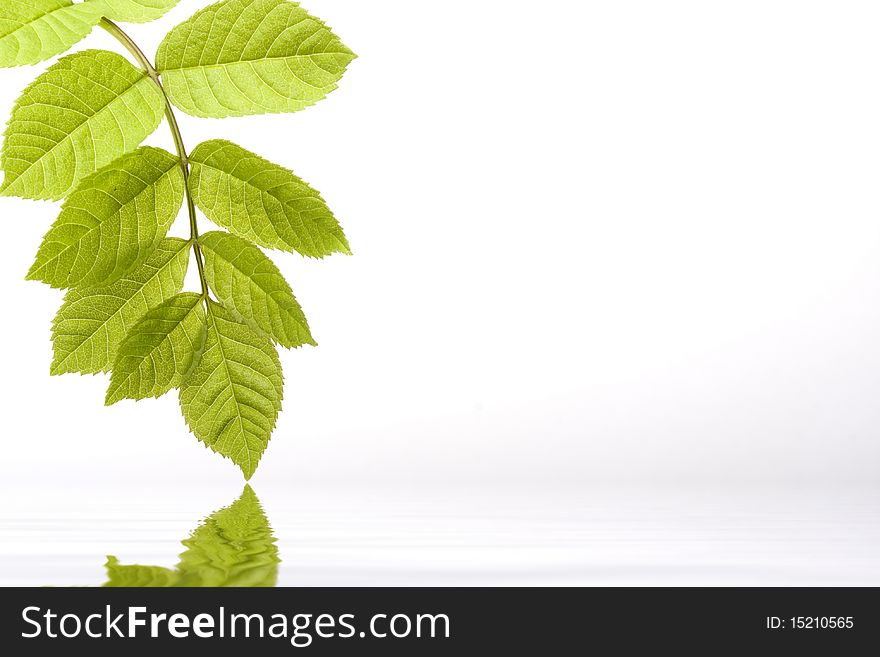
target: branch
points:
(153, 74)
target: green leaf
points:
(232, 397)
(232, 547)
(84, 112)
(34, 30)
(248, 284)
(112, 222)
(92, 323)
(262, 202)
(241, 57)
(159, 350)
(119, 575)
(137, 11)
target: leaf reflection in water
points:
(232, 547)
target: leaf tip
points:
(342, 244)
(249, 465)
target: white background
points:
(621, 245)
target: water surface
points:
(307, 536)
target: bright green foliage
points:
(75, 134)
(249, 284)
(233, 547)
(240, 57)
(233, 395)
(159, 350)
(84, 112)
(262, 202)
(92, 323)
(136, 11)
(112, 222)
(34, 30)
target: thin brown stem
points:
(153, 74)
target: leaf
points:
(92, 323)
(85, 111)
(232, 547)
(232, 397)
(241, 57)
(35, 30)
(137, 11)
(262, 202)
(119, 575)
(248, 284)
(112, 222)
(159, 350)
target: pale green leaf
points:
(112, 222)
(232, 547)
(119, 575)
(84, 112)
(159, 350)
(232, 397)
(137, 11)
(248, 284)
(34, 30)
(92, 323)
(240, 57)
(262, 202)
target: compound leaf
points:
(262, 202)
(84, 112)
(137, 11)
(112, 222)
(232, 397)
(241, 57)
(249, 285)
(35, 30)
(75, 133)
(92, 323)
(159, 350)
